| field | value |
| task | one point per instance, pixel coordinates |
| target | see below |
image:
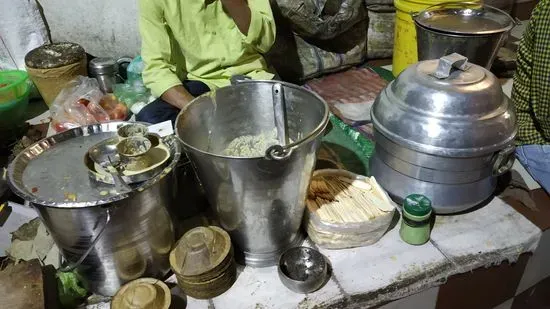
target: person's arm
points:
(254, 19)
(177, 96)
(159, 74)
(521, 91)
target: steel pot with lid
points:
(473, 30)
(443, 129)
(109, 236)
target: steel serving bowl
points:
(303, 269)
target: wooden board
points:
(22, 287)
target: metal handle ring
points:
(503, 161)
(278, 153)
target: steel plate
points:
(52, 172)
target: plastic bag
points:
(331, 235)
(81, 102)
(322, 20)
(115, 109)
(134, 71)
(133, 92)
(134, 95)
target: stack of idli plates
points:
(203, 262)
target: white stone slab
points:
(488, 235)
(387, 270)
(258, 288)
(426, 300)
(20, 215)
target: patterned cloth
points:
(531, 92)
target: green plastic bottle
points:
(415, 224)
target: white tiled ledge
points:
(391, 269)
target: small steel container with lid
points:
(105, 70)
(415, 223)
(443, 129)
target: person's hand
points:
(177, 96)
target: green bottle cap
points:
(417, 205)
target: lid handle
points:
(448, 63)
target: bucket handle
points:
(447, 63)
(72, 266)
(503, 160)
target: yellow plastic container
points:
(404, 49)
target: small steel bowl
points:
(134, 146)
(132, 129)
(302, 269)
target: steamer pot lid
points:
(465, 19)
(51, 172)
(446, 106)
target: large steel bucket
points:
(477, 41)
(108, 241)
(259, 200)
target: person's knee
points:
(147, 114)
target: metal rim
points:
(446, 152)
(21, 191)
(311, 251)
(430, 10)
(314, 133)
(454, 34)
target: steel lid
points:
(465, 19)
(52, 172)
(446, 107)
(103, 66)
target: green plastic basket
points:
(14, 99)
(14, 86)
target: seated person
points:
(190, 47)
(531, 96)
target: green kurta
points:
(197, 40)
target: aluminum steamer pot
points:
(443, 129)
(258, 200)
(108, 237)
